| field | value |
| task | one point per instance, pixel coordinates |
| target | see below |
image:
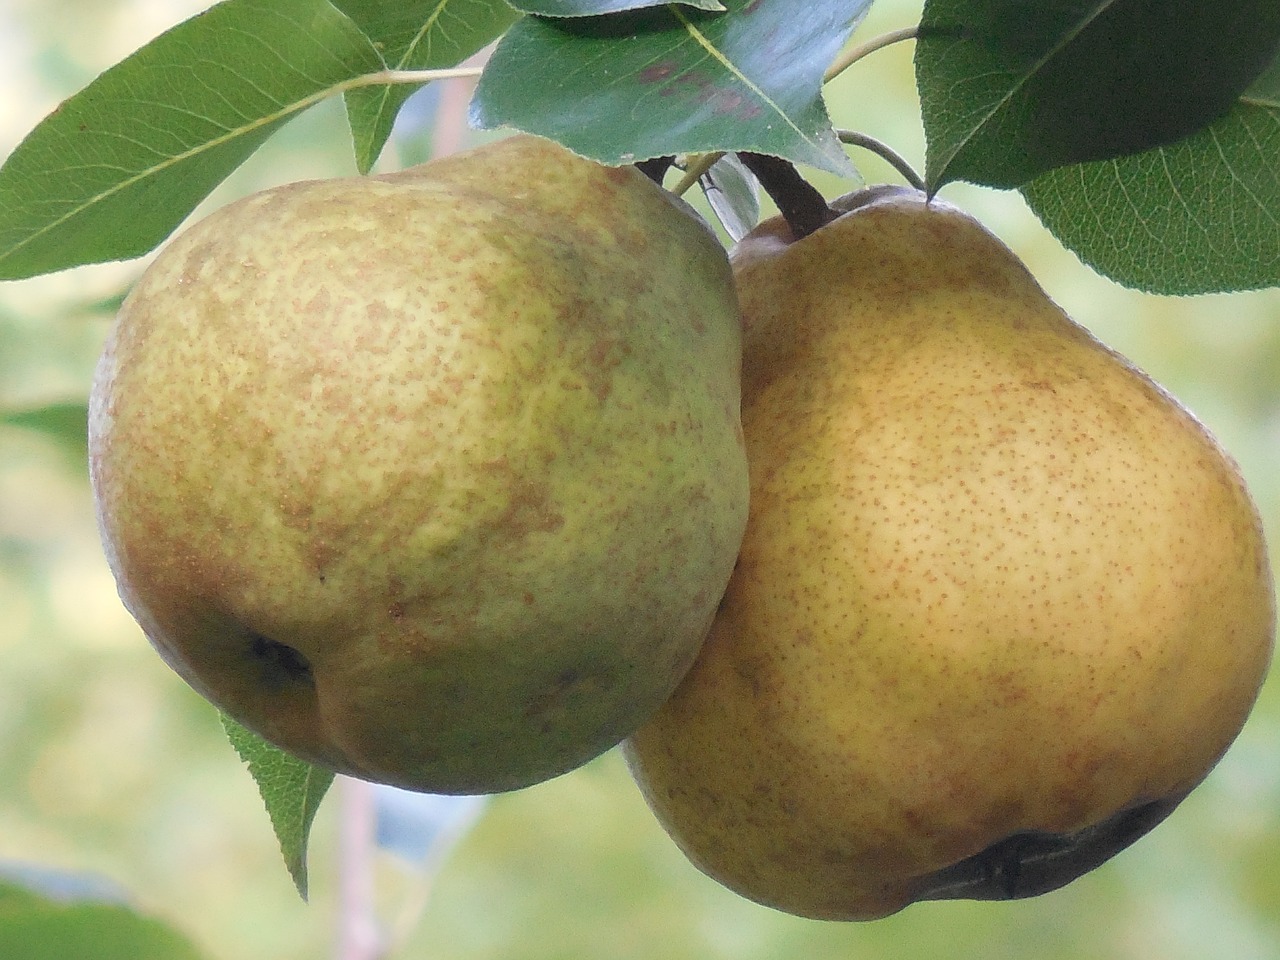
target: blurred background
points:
(111, 767)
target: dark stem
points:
(656, 169)
(799, 202)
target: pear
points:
(436, 477)
(1001, 602)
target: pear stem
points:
(799, 202)
(885, 152)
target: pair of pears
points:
(441, 478)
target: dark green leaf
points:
(1011, 89)
(592, 8)
(413, 35)
(33, 928)
(645, 84)
(291, 790)
(1267, 87)
(115, 168)
(1200, 216)
(65, 423)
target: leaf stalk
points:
(851, 56)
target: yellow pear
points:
(1001, 601)
(434, 478)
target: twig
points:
(358, 935)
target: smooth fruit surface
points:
(435, 477)
(1001, 601)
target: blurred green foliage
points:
(35, 928)
(110, 764)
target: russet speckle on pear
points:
(1001, 602)
(433, 477)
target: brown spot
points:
(319, 305)
(658, 72)
(530, 510)
(604, 356)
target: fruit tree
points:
(647, 391)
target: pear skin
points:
(434, 478)
(1001, 602)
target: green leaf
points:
(1200, 216)
(33, 928)
(291, 790)
(115, 168)
(1011, 89)
(632, 86)
(65, 423)
(413, 35)
(593, 8)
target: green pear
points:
(434, 478)
(1001, 602)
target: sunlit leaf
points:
(1011, 89)
(1200, 216)
(413, 35)
(291, 790)
(633, 86)
(114, 169)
